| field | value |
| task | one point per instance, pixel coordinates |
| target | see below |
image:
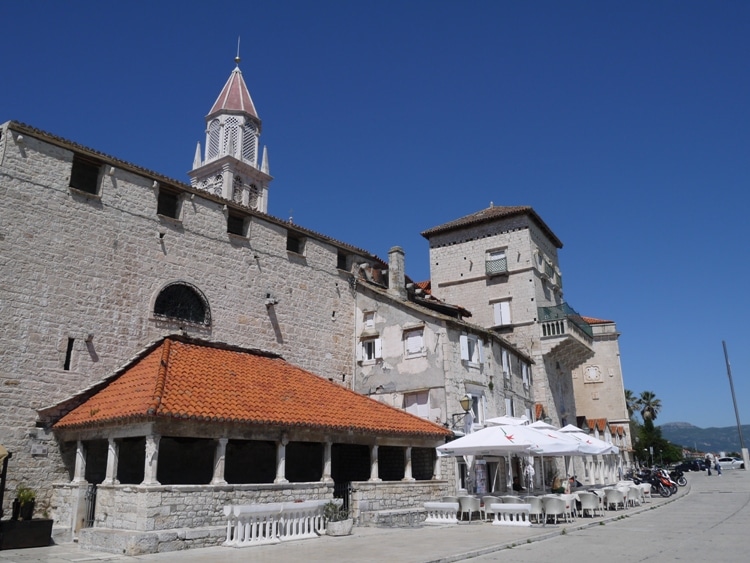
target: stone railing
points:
(263, 524)
(441, 512)
(510, 514)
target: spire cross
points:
(237, 58)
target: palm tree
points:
(631, 402)
(649, 405)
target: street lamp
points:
(465, 403)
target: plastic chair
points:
(486, 502)
(614, 498)
(510, 499)
(635, 496)
(468, 505)
(590, 502)
(537, 508)
(553, 506)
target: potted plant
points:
(337, 518)
(26, 500)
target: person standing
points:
(529, 472)
(717, 466)
(709, 462)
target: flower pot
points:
(340, 528)
(27, 510)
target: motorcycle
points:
(678, 477)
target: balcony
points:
(566, 337)
(495, 267)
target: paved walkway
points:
(428, 544)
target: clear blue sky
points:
(625, 125)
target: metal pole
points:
(734, 399)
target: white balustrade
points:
(263, 524)
(511, 514)
(441, 512)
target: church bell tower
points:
(231, 167)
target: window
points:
(502, 313)
(342, 259)
(236, 225)
(418, 403)
(84, 176)
(414, 342)
(182, 302)
(496, 263)
(526, 375)
(506, 364)
(509, 407)
(370, 350)
(472, 349)
(295, 243)
(477, 407)
(168, 204)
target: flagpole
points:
(734, 402)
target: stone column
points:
(220, 454)
(437, 471)
(79, 473)
(327, 462)
(407, 468)
(152, 460)
(374, 464)
(113, 458)
(281, 460)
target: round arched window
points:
(183, 302)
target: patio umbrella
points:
(507, 420)
(507, 439)
(594, 445)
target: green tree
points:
(631, 402)
(649, 405)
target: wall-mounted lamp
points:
(19, 139)
(111, 171)
(270, 299)
(465, 403)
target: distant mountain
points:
(705, 439)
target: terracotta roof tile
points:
(181, 378)
(593, 321)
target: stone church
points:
(169, 345)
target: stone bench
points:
(269, 523)
(510, 514)
(441, 512)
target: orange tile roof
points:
(188, 379)
(598, 423)
(593, 321)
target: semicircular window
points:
(183, 302)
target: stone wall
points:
(370, 498)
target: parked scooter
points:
(678, 477)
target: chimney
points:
(396, 275)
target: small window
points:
(414, 342)
(295, 243)
(370, 350)
(418, 403)
(502, 313)
(236, 225)
(342, 260)
(183, 302)
(84, 176)
(168, 204)
(472, 349)
(506, 364)
(496, 263)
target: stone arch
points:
(183, 302)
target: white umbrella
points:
(504, 440)
(507, 420)
(594, 446)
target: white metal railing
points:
(511, 514)
(441, 512)
(263, 524)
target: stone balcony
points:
(565, 336)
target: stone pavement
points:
(428, 544)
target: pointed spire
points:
(234, 96)
(264, 164)
(197, 157)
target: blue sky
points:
(625, 125)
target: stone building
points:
(502, 264)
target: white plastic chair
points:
(590, 502)
(537, 508)
(468, 505)
(554, 506)
(616, 498)
(486, 502)
(510, 499)
(635, 496)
